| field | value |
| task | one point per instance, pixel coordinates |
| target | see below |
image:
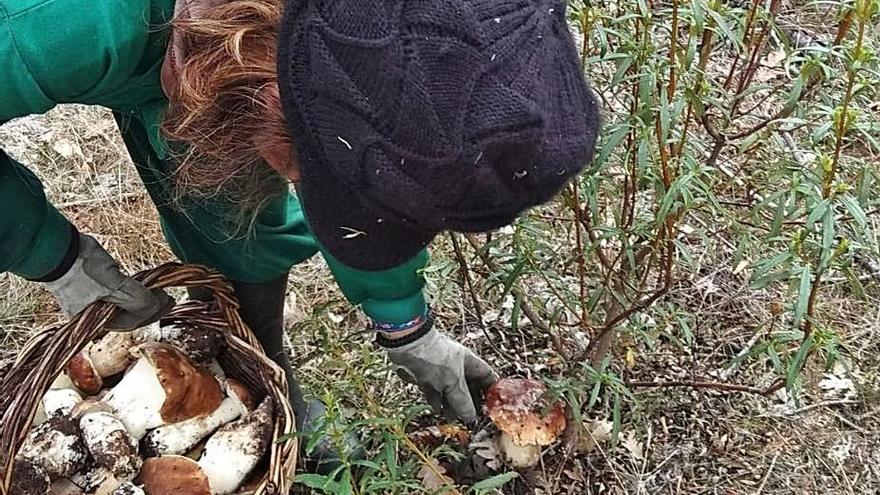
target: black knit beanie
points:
(415, 117)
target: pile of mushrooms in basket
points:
(145, 412)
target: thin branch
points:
(727, 387)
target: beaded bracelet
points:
(399, 327)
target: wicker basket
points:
(46, 354)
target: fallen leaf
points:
(595, 433)
(66, 148)
(775, 58)
(488, 449)
(433, 476)
(630, 358)
(633, 446)
(455, 433)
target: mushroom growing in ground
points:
(178, 438)
(111, 447)
(174, 475)
(518, 407)
(233, 452)
(163, 387)
(56, 447)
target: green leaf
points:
(495, 481)
(797, 363)
(316, 481)
(855, 209)
(803, 296)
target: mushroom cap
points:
(83, 374)
(174, 475)
(190, 391)
(519, 408)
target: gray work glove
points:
(450, 375)
(95, 276)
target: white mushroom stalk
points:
(110, 355)
(163, 387)
(235, 450)
(518, 408)
(179, 438)
(110, 445)
(60, 402)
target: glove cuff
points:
(66, 262)
(423, 330)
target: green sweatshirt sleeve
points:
(34, 236)
(392, 296)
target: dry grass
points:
(692, 441)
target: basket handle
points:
(46, 354)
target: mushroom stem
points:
(519, 456)
(111, 446)
(110, 355)
(60, 402)
(137, 399)
(179, 438)
(233, 452)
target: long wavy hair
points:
(224, 106)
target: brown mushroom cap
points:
(173, 475)
(190, 391)
(519, 408)
(83, 374)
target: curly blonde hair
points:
(224, 105)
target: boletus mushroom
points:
(111, 447)
(236, 449)
(83, 374)
(56, 447)
(519, 408)
(201, 344)
(110, 354)
(178, 438)
(163, 387)
(174, 475)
